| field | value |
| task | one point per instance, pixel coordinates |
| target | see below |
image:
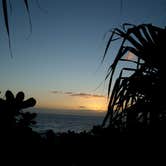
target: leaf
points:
(147, 35)
(9, 96)
(127, 25)
(108, 44)
(10, 6)
(29, 103)
(29, 16)
(5, 14)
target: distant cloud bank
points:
(78, 94)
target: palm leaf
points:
(5, 14)
(6, 5)
(29, 16)
(137, 91)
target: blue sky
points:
(64, 51)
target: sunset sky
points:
(59, 63)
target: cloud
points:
(68, 93)
(74, 94)
(99, 96)
(130, 56)
(56, 91)
(81, 94)
(82, 107)
(87, 95)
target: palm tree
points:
(136, 99)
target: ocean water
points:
(65, 122)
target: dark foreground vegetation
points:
(133, 131)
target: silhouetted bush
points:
(12, 115)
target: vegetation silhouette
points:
(137, 100)
(133, 127)
(15, 123)
(11, 112)
(136, 108)
(135, 123)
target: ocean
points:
(65, 122)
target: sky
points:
(59, 63)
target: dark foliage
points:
(12, 115)
(16, 134)
(137, 101)
(133, 130)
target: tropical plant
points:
(137, 99)
(12, 115)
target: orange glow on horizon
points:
(63, 102)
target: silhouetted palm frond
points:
(6, 6)
(137, 97)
